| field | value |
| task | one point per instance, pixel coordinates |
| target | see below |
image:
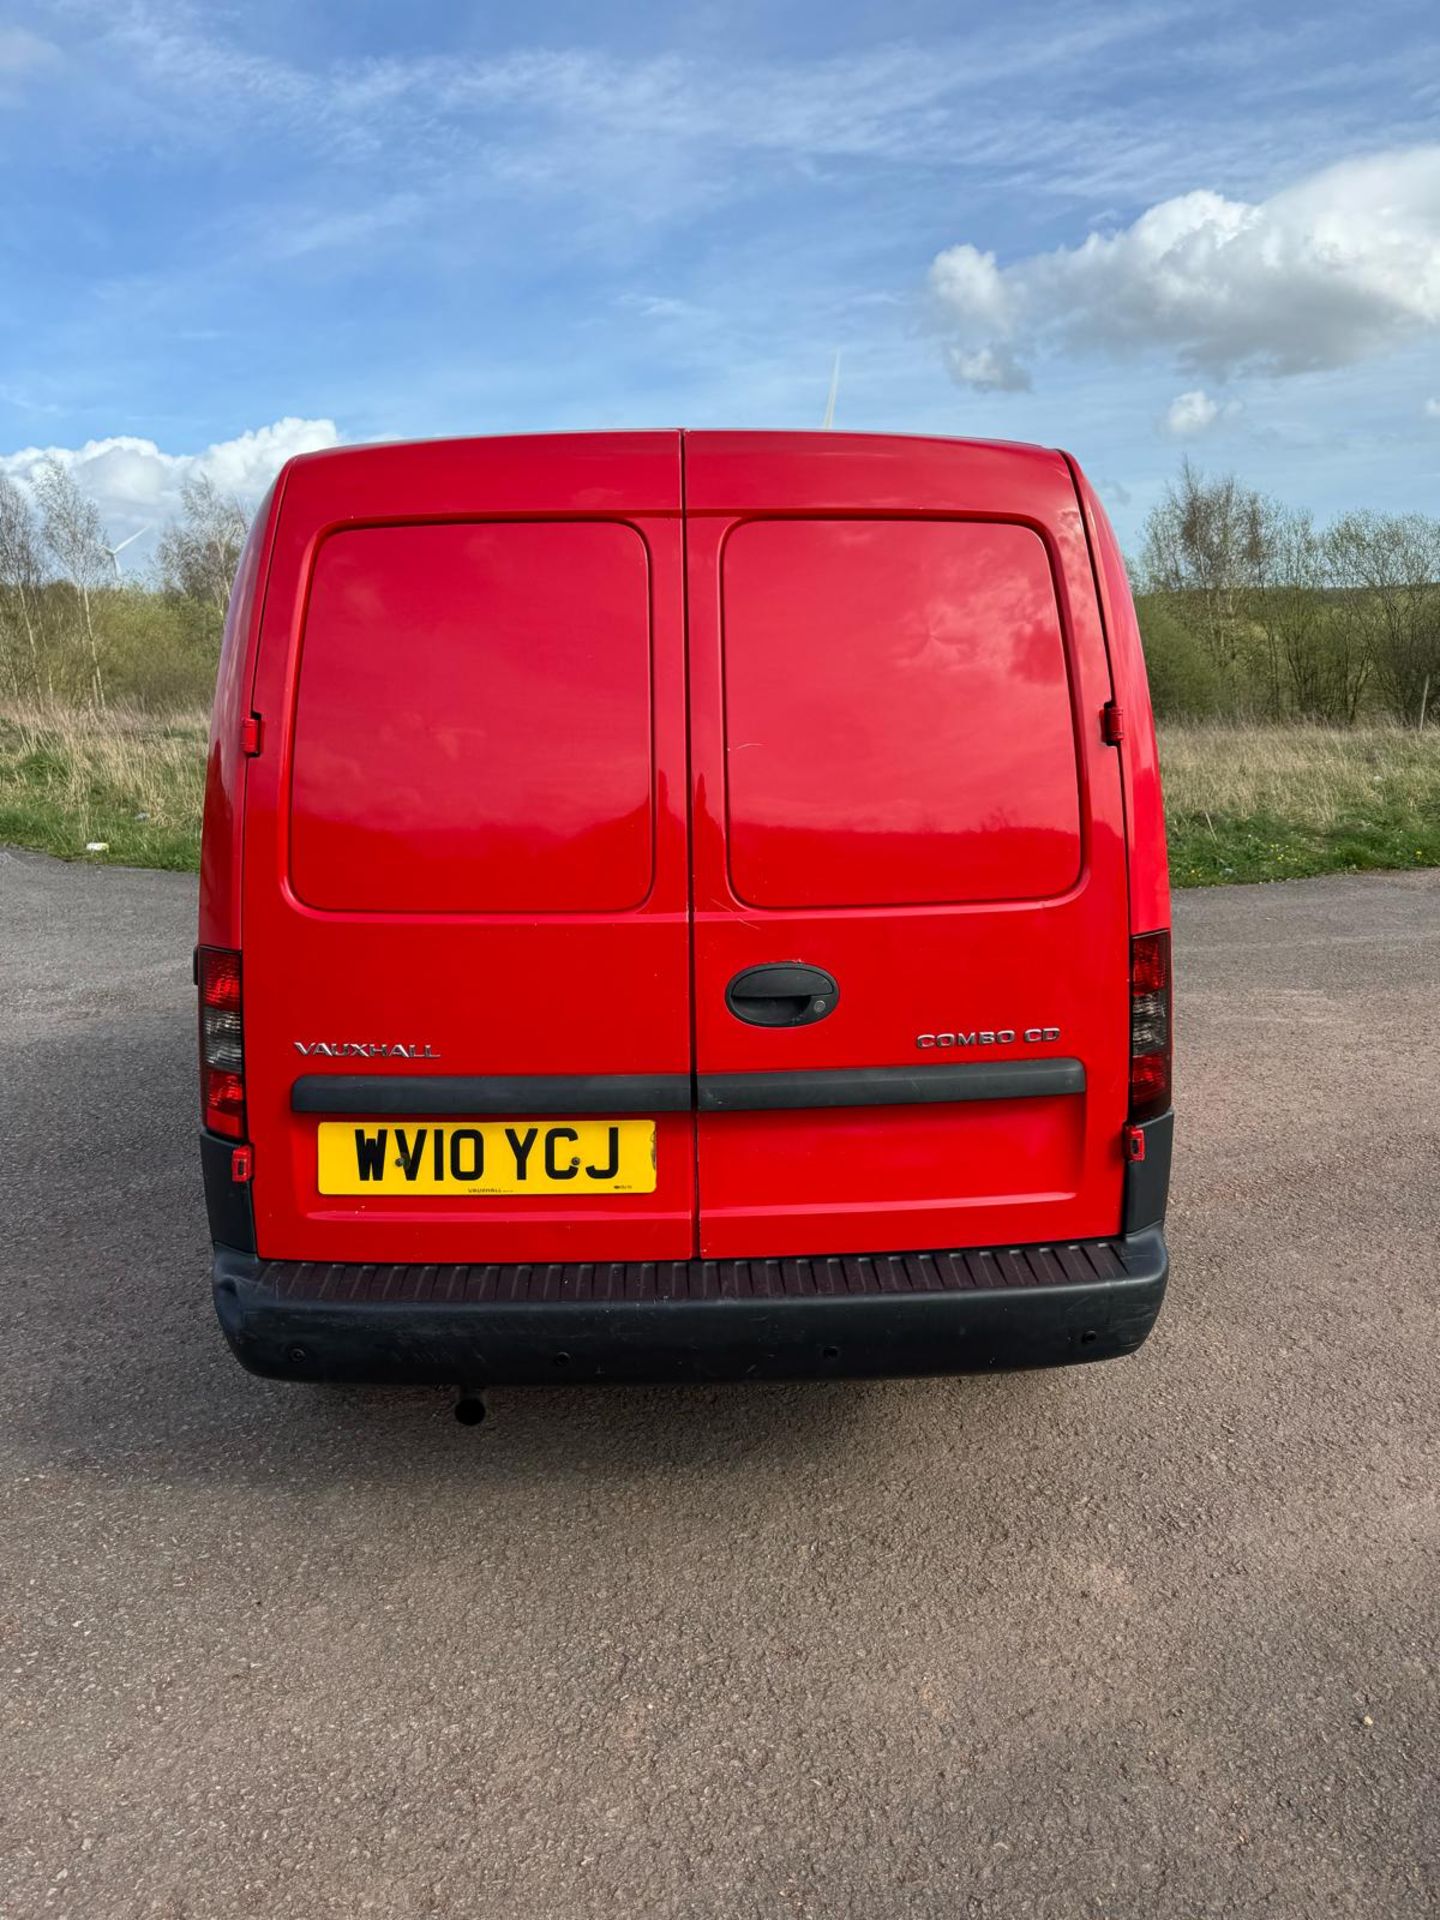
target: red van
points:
(683, 905)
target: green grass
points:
(1242, 802)
(130, 781)
(1223, 850)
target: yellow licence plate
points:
(564, 1157)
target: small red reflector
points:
(1134, 1143)
(1149, 1080)
(223, 1098)
(241, 1164)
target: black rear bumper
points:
(863, 1316)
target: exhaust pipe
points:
(470, 1407)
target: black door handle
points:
(784, 994)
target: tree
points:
(1391, 565)
(198, 552)
(22, 575)
(1320, 657)
(72, 531)
(1209, 545)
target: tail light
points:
(1149, 1025)
(222, 1042)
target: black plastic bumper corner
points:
(868, 1316)
(227, 1201)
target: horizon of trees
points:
(1249, 609)
(74, 629)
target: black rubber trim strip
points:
(491, 1093)
(671, 1092)
(889, 1086)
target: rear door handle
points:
(784, 994)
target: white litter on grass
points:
(97, 846)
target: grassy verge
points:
(1243, 803)
(1273, 803)
(128, 782)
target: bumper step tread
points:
(1072, 1263)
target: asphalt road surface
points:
(1151, 1638)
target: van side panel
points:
(434, 907)
(220, 843)
(936, 824)
(1140, 760)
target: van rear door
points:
(910, 879)
(465, 904)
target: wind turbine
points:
(116, 551)
(829, 419)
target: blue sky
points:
(1134, 230)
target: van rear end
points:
(683, 906)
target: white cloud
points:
(22, 51)
(135, 484)
(970, 282)
(1432, 409)
(662, 306)
(992, 368)
(1191, 412)
(22, 55)
(1338, 268)
(636, 138)
(1196, 412)
(881, 100)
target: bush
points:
(1185, 683)
(160, 650)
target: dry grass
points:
(1243, 802)
(132, 781)
(1320, 773)
(1264, 803)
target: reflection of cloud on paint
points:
(1005, 625)
(1432, 409)
(134, 483)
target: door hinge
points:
(250, 735)
(1112, 724)
(1134, 1138)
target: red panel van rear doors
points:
(465, 907)
(910, 886)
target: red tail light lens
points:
(1150, 1050)
(222, 1043)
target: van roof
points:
(772, 439)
